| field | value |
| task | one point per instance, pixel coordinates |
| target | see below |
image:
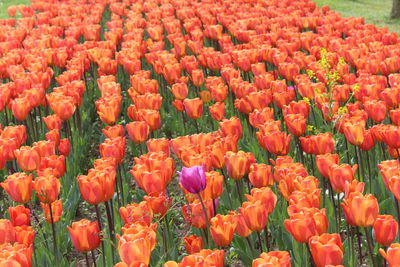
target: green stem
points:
(259, 241)
(311, 258)
(110, 229)
(87, 260)
(53, 229)
(205, 215)
(370, 249)
(94, 259)
(239, 191)
(100, 228)
(266, 239)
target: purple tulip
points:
(193, 179)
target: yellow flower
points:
(356, 88)
(342, 110)
(310, 74)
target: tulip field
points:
(196, 133)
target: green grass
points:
(4, 4)
(374, 11)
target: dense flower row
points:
(256, 130)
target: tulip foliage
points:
(183, 133)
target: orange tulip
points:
(12, 10)
(301, 107)
(54, 136)
(392, 255)
(260, 175)
(140, 230)
(391, 136)
(273, 258)
(135, 251)
(376, 110)
(56, 211)
(385, 230)
(85, 235)
(324, 161)
(136, 212)
(45, 148)
(307, 223)
(310, 198)
(193, 244)
(98, 186)
(20, 108)
(217, 111)
(152, 117)
(241, 228)
(178, 104)
(360, 210)
(353, 186)
(113, 148)
(108, 108)
(193, 107)
(326, 249)
(179, 90)
(277, 142)
(238, 164)
(296, 124)
(255, 215)
(7, 232)
(211, 257)
(197, 77)
(17, 132)
(394, 185)
(354, 132)
(64, 147)
(28, 158)
(47, 188)
(19, 215)
(24, 235)
(217, 151)
(318, 144)
(54, 165)
(16, 255)
(259, 117)
(52, 122)
(222, 228)
(63, 106)
(138, 131)
(266, 196)
(219, 92)
(205, 96)
(198, 220)
(113, 131)
(19, 187)
(395, 116)
(167, 264)
(369, 140)
(231, 127)
(150, 181)
(339, 174)
(214, 186)
(159, 203)
(158, 145)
